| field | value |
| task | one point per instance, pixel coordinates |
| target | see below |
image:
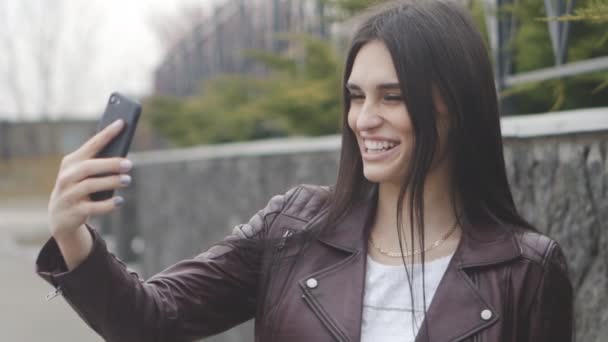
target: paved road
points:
(25, 316)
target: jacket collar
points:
(455, 311)
(482, 245)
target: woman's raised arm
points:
(194, 298)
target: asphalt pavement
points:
(25, 315)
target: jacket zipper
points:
(327, 321)
(288, 232)
(54, 293)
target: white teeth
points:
(378, 145)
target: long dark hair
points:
(434, 43)
(435, 47)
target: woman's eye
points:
(356, 97)
(395, 98)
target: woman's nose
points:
(368, 119)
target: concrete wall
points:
(59, 137)
(183, 200)
(42, 138)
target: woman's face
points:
(378, 116)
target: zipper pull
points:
(287, 234)
(51, 295)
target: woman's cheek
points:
(352, 119)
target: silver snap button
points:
(312, 283)
(486, 314)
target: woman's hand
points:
(69, 204)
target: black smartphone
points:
(129, 110)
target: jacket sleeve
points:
(194, 298)
(551, 315)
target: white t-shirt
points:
(387, 305)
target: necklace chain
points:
(416, 252)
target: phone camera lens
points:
(114, 100)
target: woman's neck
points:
(439, 216)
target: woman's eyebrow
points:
(389, 86)
(383, 86)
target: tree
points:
(592, 11)
(9, 62)
(47, 48)
(301, 95)
(531, 49)
(172, 28)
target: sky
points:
(126, 53)
(130, 39)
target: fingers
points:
(93, 208)
(70, 204)
(95, 144)
(92, 167)
(95, 184)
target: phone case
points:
(118, 107)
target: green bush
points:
(302, 95)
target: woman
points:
(419, 239)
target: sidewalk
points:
(25, 314)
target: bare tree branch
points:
(10, 71)
(171, 28)
(49, 50)
(80, 56)
(46, 20)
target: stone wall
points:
(561, 185)
(183, 200)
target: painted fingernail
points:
(118, 201)
(125, 165)
(125, 179)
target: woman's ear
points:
(440, 106)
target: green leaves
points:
(348, 8)
(594, 11)
(301, 92)
(300, 96)
(532, 50)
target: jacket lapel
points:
(334, 289)
(459, 309)
(337, 298)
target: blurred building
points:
(218, 46)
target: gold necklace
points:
(399, 255)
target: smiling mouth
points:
(372, 151)
(380, 149)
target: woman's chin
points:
(378, 174)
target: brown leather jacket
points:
(502, 284)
